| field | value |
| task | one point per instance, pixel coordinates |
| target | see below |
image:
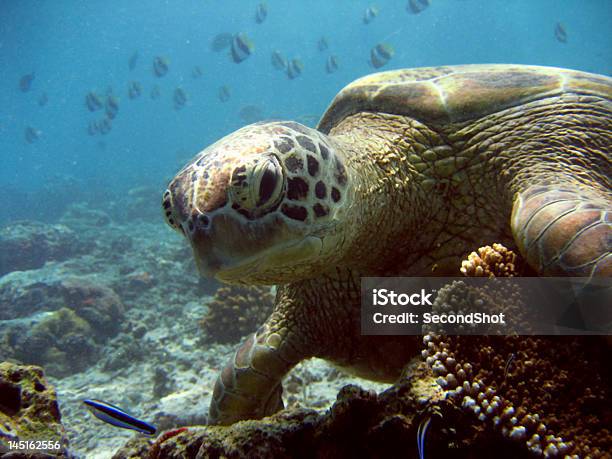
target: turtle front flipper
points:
(564, 230)
(249, 387)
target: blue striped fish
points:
(117, 417)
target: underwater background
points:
(101, 103)
(74, 47)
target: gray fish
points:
(196, 72)
(560, 33)
(179, 98)
(221, 41)
(294, 69)
(133, 60)
(250, 114)
(93, 102)
(93, 128)
(381, 54)
(134, 90)
(322, 44)
(331, 65)
(278, 60)
(242, 47)
(160, 66)
(104, 126)
(417, 6)
(118, 417)
(31, 134)
(111, 106)
(224, 93)
(155, 92)
(261, 12)
(43, 99)
(370, 14)
(25, 82)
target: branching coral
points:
(549, 393)
(495, 261)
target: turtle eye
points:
(268, 183)
(257, 187)
(167, 209)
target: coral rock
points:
(236, 311)
(29, 411)
(29, 245)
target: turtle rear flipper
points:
(564, 230)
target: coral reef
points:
(79, 315)
(97, 304)
(143, 203)
(479, 396)
(29, 411)
(23, 295)
(83, 215)
(162, 383)
(495, 261)
(549, 394)
(52, 343)
(235, 311)
(158, 326)
(46, 203)
(359, 424)
(29, 245)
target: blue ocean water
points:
(74, 47)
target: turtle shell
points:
(442, 95)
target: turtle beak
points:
(207, 261)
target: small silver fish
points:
(117, 417)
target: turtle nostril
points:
(190, 226)
(204, 221)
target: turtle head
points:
(262, 205)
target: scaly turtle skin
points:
(408, 171)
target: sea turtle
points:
(406, 173)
